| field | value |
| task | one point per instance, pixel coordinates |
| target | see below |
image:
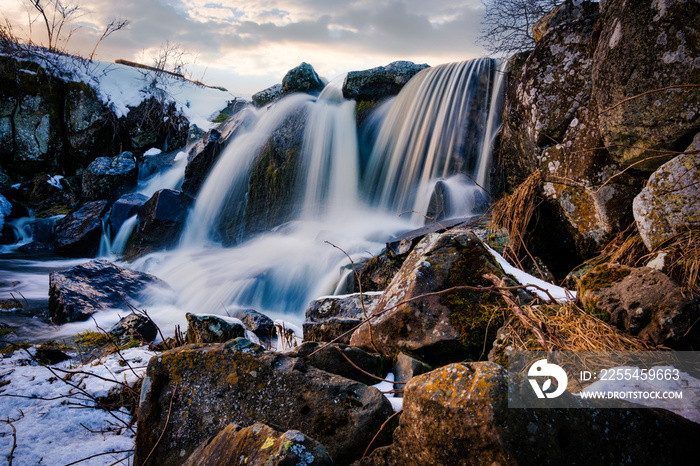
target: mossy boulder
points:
(438, 327)
(643, 302)
(303, 78)
(194, 392)
(459, 415)
(259, 445)
(670, 201)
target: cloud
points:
(257, 37)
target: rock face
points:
(381, 82)
(438, 328)
(160, 222)
(670, 201)
(303, 78)
(259, 445)
(213, 386)
(108, 178)
(459, 415)
(78, 292)
(563, 117)
(332, 316)
(212, 329)
(79, 232)
(643, 302)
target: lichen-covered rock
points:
(459, 415)
(439, 328)
(79, 232)
(380, 82)
(670, 201)
(303, 78)
(643, 302)
(212, 328)
(259, 445)
(78, 292)
(109, 178)
(332, 358)
(330, 317)
(267, 96)
(568, 10)
(192, 393)
(644, 46)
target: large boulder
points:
(259, 445)
(645, 46)
(160, 221)
(439, 328)
(303, 78)
(109, 178)
(192, 393)
(330, 317)
(643, 302)
(79, 232)
(77, 293)
(670, 201)
(380, 82)
(459, 415)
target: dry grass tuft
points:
(684, 258)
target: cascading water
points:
(439, 126)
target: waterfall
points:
(440, 124)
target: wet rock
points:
(134, 327)
(437, 328)
(205, 153)
(259, 445)
(206, 388)
(331, 360)
(303, 78)
(643, 302)
(212, 329)
(108, 178)
(459, 415)
(329, 317)
(381, 82)
(78, 292)
(670, 201)
(79, 232)
(125, 207)
(160, 221)
(267, 96)
(256, 322)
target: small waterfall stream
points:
(438, 129)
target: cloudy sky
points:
(248, 45)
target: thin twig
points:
(100, 454)
(364, 371)
(14, 439)
(677, 86)
(362, 298)
(380, 430)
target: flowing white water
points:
(441, 123)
